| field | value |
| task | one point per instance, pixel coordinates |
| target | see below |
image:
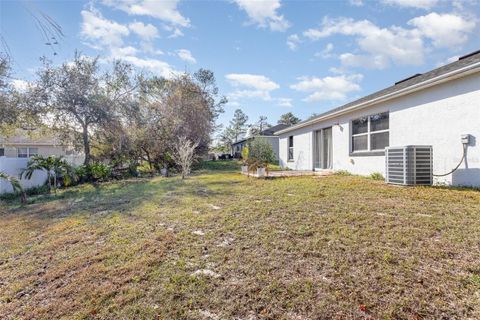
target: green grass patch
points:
(221, 244)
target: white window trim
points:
(29, 153)
(368, 134)
(290, 148)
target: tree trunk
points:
(49, 179)
(55, 182)
(86, 145)
(23, 197)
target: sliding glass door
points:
(323, 149)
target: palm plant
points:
(55, 167)
(17, 187)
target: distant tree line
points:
(239, 128)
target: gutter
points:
(416, 87)
(29, 144)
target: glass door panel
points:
(323, 149)
(327, 148)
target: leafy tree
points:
(17, 187)
(76, 98)
(54, 167)
(261, 150)
(8, 112)
(237, 129)
(259, 126)
(238, 124)
(288, 119)
(184, 106)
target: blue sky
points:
(269, 57)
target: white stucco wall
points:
(11, 150)
(274, 143)
(13, 167)
(436, 116)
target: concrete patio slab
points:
(290, 173)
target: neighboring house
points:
(16, 150)
(434, 108)
(267, 134)
(25, 144)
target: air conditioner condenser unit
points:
(409, 165)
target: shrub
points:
(377, 176)
(262, 151)
(245, 154)
(342, 173)
(94, 172)
(33, 191)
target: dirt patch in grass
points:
(340, 247)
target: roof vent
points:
(414, 76)
(469, 55)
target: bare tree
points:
(185, 154)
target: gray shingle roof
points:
(270, 131)
(464, 61)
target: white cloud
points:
(326, 52)
(147, 32)
(253, 86)
(157, 67)
(379, 47)
(292, 41)
(165, 10)
(176, 33)
(118, 53)
(252, 80)
(366, 61)
(186, 55)
(101, 31)
(445, 30)
(328, 88)
(108, 36)
(447, 61)
(264, 14)
(356, 3)
(284, 102)
(393, 44)
(420, 4)
(20, 85)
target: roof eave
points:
(416, 87)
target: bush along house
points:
(267, 134)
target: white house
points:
(434, 108)
(17, 149)
(268, 135)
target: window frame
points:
(28, 153)
(369, 151)
(290, 156)
(2, 152)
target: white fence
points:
(14, 167)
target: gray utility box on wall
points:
(409, 165)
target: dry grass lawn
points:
(224, 246)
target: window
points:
(32, 152)
(22, 152)
(370, 133)
(2, 152)
(290, 148)
(27, 152)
